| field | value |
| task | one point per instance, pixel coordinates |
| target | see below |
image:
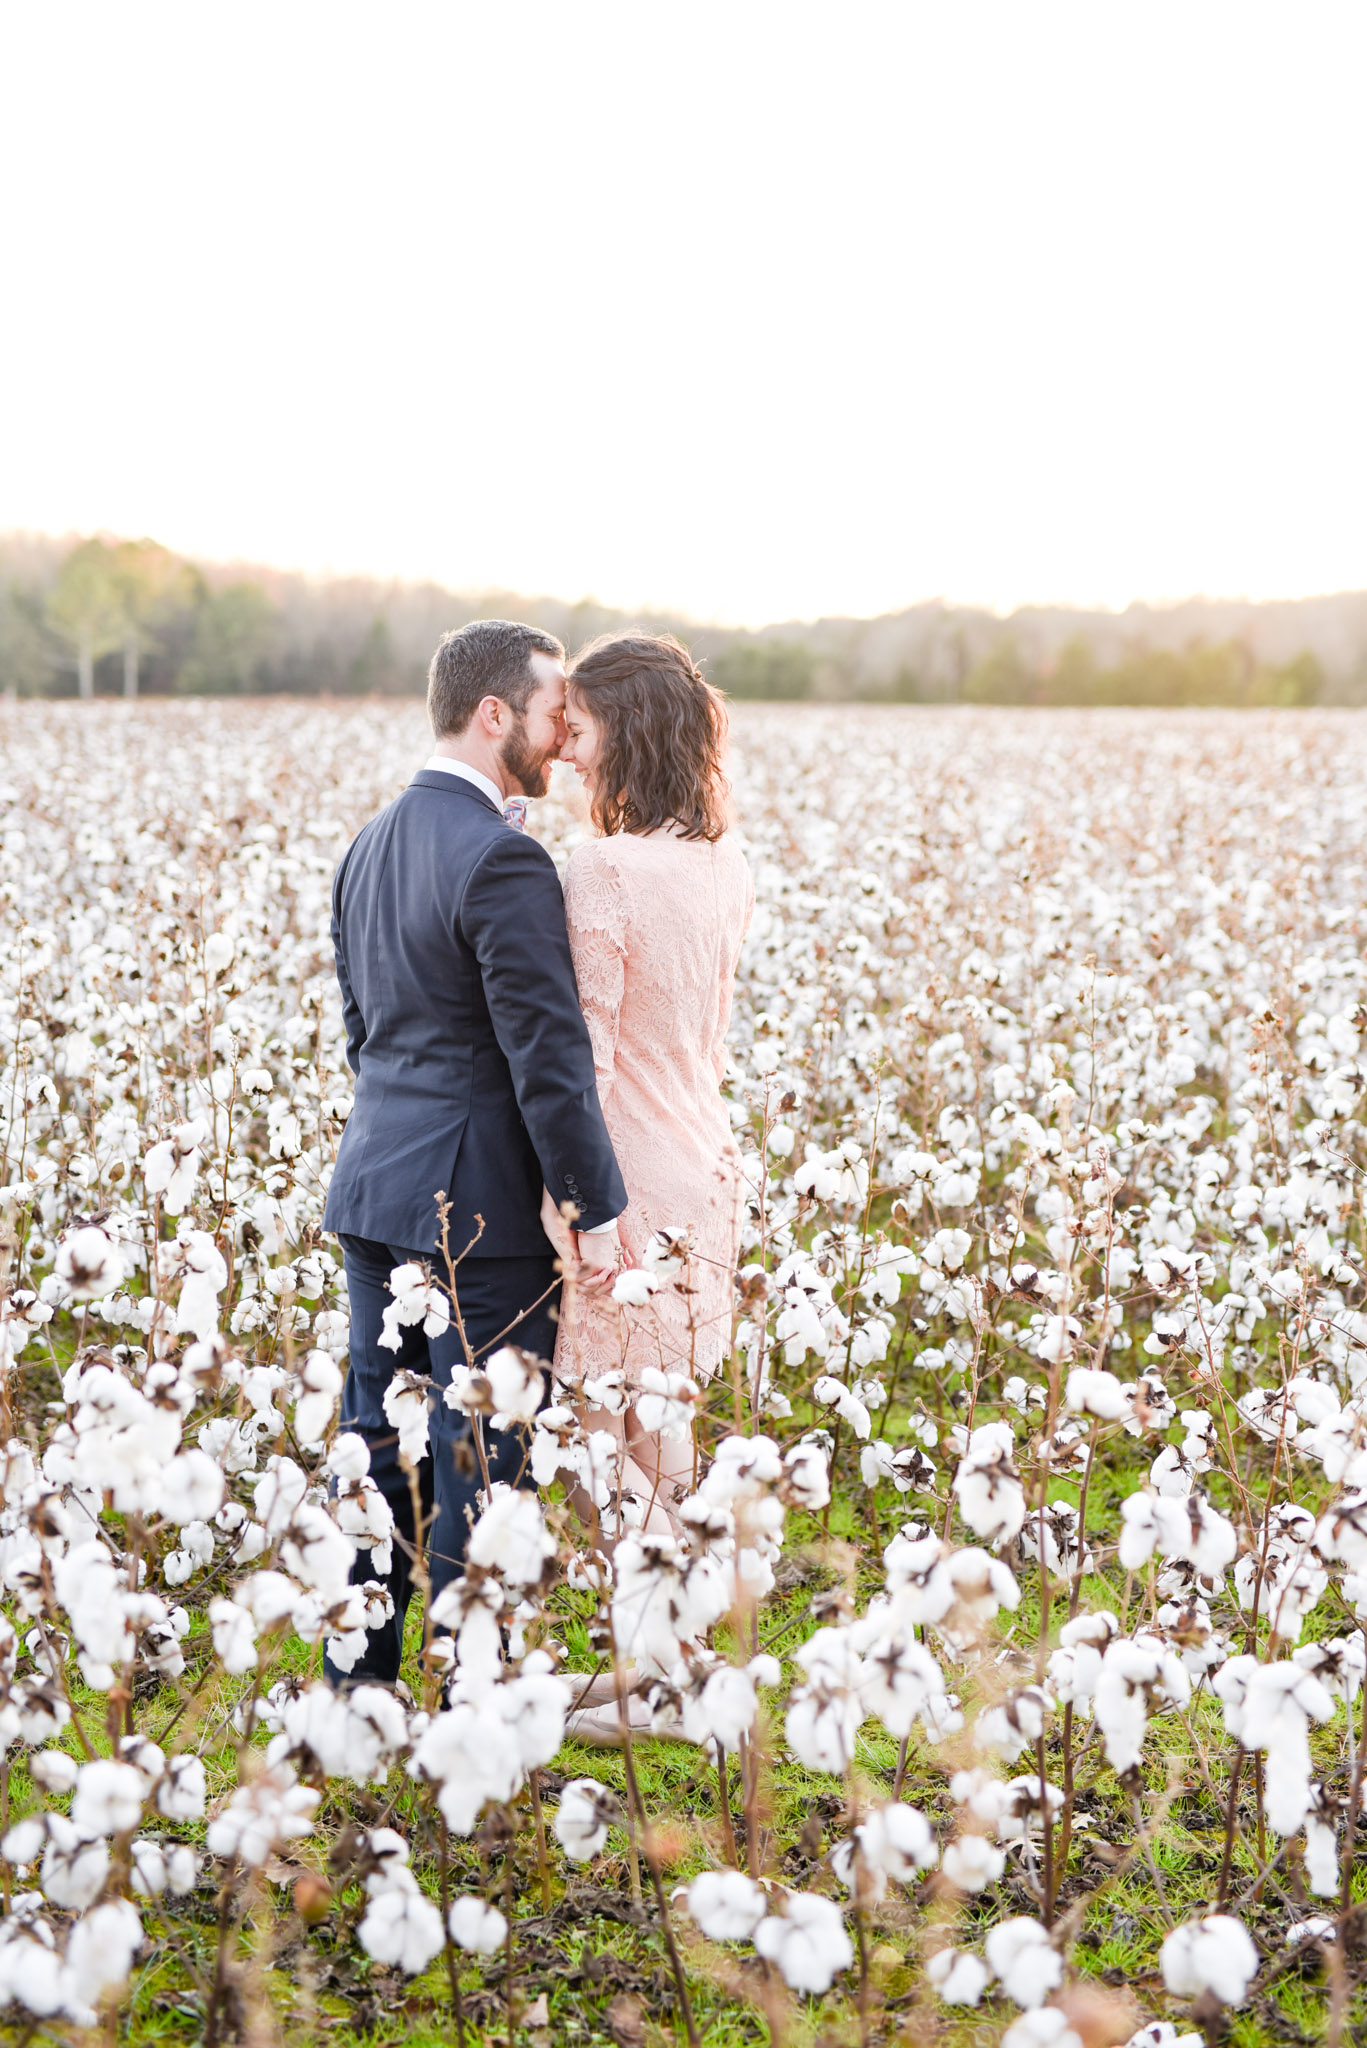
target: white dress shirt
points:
(482, 782)
(489, 788)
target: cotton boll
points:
(1016, 1724)
(511, 1538)
(182, 1868)
(979, 1585)
(516, 1383)
(586, 1811)
(1058, 1339)
(1025, 1959)
(416, 1300)
(192, 1488)
(1321, 1858)
(972, 1863)
(724, 1710)
(349, 1457)
(270, 1810)
(959, 1977)
(726, 1904)
(1318, 1928)
(1044, 2027)
(73, 1869)
(1163, 2034)
(402, 1928)
(806, 1481)
(234, 1636)
(195, 1260)
(1134, 1677)
(169, 1168)
(476, 1926)
(23, 1841)
(89, 1262)
(54, 1770)
(34, 1977)
(1213, 1955)
(108, 1798)
(900, 1681)
(988, 1486)
(1096, 1393)
(832, 1393)
(634, 1287)
(149, 1867)
(666, 1403)
(808, 1942)
(99, 1952)
(183, 1792)
(406, 1410)
(896, 1842)
(320, 1386)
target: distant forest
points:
(100, 616)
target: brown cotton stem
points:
(543, 1867)
(1048, 1823)
(638, 1815)
(1231, 1809)
(1351, 1821)
(724, 1800)
(749, 1764)
(862, 1933)
(1065, 1831)
(452, 1965)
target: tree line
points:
(102, 616)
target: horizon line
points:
(679, 614)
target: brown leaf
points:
(626, 2020)
(538, 2013)
(1102, 2019)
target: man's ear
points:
(489, 712)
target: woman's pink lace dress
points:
(656, 923)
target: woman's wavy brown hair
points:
(663, 734)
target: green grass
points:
(590, 1963)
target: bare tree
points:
(86, 607)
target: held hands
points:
(594, 1255)
(600, 1255)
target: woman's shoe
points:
(602, 1726)
(601, 1690)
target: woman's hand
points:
(600, 1255)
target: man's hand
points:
(557, 1229)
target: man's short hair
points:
(487, 658)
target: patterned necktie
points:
(515, 813)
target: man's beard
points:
(530, 771)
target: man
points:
(474, 1074)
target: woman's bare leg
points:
(665, 1465)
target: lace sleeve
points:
(595, 915)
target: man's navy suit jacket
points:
(474, 1072)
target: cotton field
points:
(1018, 1638)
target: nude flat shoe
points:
(601, 1691)
(602, 1726)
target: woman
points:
(657, 906)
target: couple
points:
(535, 1056)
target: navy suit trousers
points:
(496, 1299)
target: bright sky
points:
(758, 310)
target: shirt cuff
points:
(608, 1229)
